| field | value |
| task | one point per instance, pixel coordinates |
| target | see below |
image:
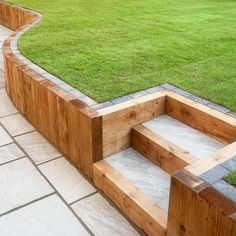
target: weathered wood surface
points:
(15, 17)
(141, 210)
(159, 150)
(118, 120)
(86, 135)
(197, 209)
(66, 122)
(203, 118)
(210, 162)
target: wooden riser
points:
(66, 122)
(160, 151)
(140, 209)
(122, 128)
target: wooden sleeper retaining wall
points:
(68, 123)
(86, 136)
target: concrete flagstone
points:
(35, 200)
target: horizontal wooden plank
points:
(209, 121)
(65, 121)
(118, 120)
(197, 209)
(141, 210)
(131, 103)
(216, 158)
(159, 150)
(15, 17)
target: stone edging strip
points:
(81, 96)
(70, 124)
(54, 107)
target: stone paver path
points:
(41, 192)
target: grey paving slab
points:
(102, 105)
(169, 87)
(52, 78)
(66, 87)
(121, 99)
(2, 79)
(199, 100)
(4, 31)
(27, 203)
(87, 100)
(76, 93)
(232, 114)
(47, 217)
(230, 164)
(218, 107)
(20, 184)
(214, 174)
(95, 212)
(10, 152)
(6, 106)
(37, 147)
(16, 124)
(1, 65)
(187, 138)
(66, 179)
(5, 138)
(139, 94)
(182, 92)
(226, 189)
(153, 182)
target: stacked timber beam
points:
(87, 137)
(196, 208)
(15, 17)
(122, 128)
(68, 123)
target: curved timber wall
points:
(71, 125)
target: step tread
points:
(195, 142)
(143, 174)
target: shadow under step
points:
(159, 150)
(138, 187)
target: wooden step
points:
(159, 150)
(187, 138)
(138, 187)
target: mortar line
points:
(29, 132)
(87, 196)
(10, 114)
(45, 162)
(8, 162)
(82, 198)
(26, 204)
(4, 145)
(55, 190)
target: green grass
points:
(231, 178)
(109, 48)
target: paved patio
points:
(41, 192)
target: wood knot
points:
(132, 115)
(182, 228)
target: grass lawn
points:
(231, 178)
(109, 48)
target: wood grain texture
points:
(142, 211)
(85, 136)
(196, 209)
(160, 151)
(119, 119)
(66, 122)
(15, 17)
(210, 162)
(203, 118)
